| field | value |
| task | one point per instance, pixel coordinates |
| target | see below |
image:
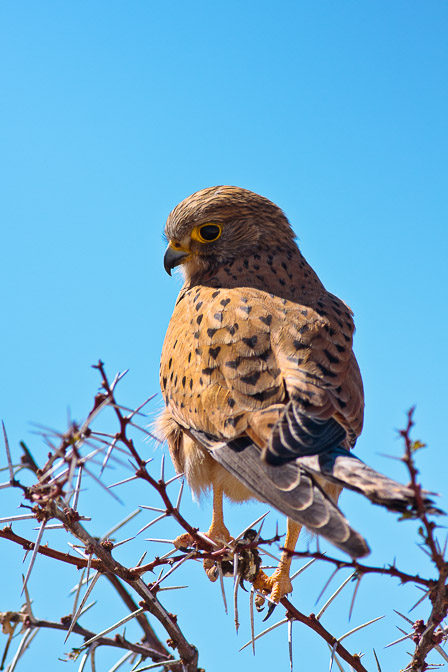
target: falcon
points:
(264, 397)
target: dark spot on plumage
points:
(244, 299)
(240, 269)
(233, 328)
(341, 403)
(201, 382)
(282, 282)
(284, 265)
(196, 334)
(218, 316)
(231, 402)
(171, 377)
(191, 383)
(289, 255)
(245, 263)
(298, 345)
(331, 358)
(246, 309)
(331, 330)
(337, 311)
(320, 304)
(303, 329)
(295, 360)
(339, 389)
(182, 405)
(207, 371)
(189, 357)
(251, 379)
(214, 352)
(265, 395)
(264, 356)
(198, 351)
(233, 363)
(340, 348)
(224, 302)
(325, 371)
(175, 381)
(260, 278)
(227, 270)
(250, 342)
(198, 305)
(273, 270)
(257, 256)
(184, 380)
(347, 338)
(257, 267)
(266, 319)
(199, 319)
(164, 380)
(211, 332)
(175, 343)
(349, 326)
(215, 294)
(233, 421)
(170, 362)
(304, 312)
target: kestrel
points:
(264, 397)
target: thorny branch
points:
(55, 495)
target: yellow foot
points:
(276, 586)
(217, 533)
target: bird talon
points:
(271, 608)
(184, 542)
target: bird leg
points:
(217, 532)
(279, 584)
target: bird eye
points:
(207, 233)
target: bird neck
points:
(280, 271)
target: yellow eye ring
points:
(207, 233)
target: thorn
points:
(162, 469)
(249, 527)
(8, 454)
(221, 582)
(327, 583)
(116, 527)
(290, 643)
(141, 559)
(77, 489)
(355, 592)
(174, 478)
(35, 550)
(335, 594)
(377, 661)
(359, 627)
(119, 623)
(179, 496)
(302, 569)
(156, 520)
(252, 626)
(265, 632)
(83, 601)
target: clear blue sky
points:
(113, 112)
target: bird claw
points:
(275, 587)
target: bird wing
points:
(223, 382)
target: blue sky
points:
(113, 112)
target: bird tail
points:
(291, 489)
(340, 466)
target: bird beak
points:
(173, 257)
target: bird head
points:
(218, 225)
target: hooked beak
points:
(173, 257)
